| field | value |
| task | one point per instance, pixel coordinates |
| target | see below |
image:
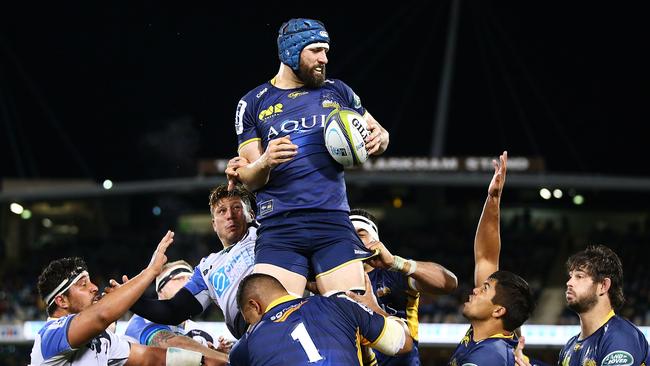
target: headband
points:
(175, 271)
(65, 284)
(361, 222)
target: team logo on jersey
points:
(327, 103)
(239, 117)
(589, 362)
(220, 281)
(296, 94)
(271, 111)
(618, 358)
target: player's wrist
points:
(406, 266)
(182, 357)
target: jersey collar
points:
(279, 301)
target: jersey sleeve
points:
(351, 99)
(54, 339)
(246, 123)
(198, 288)
(623, 348)
(371, 325)
(142, 330)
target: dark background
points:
(137, 90)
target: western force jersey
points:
(141, 330)
(316, 330)
(312, 179)
(51, 347)
(496, 350)
(217, 277)
(617, 342)
(397, 295)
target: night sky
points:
(139, 90)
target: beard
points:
(310, 77)
(583, 304)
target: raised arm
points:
(96, 318)
(487, 243)
(182, 306)
(428, 277)
(256, 174)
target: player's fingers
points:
(354, 296)
(125, 279)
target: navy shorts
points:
(309, 242)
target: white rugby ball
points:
(345, 134)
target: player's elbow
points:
(408, 345)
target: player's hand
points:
(368, 298)
(384, 259)
(231, 170)
(499, 177)
(520, 359)
(225, 345)
(114, 285)
(279, 151)
(377, 140)
(159, 258)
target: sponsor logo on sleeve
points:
(239, 117)
(618, 358)
(357, 101)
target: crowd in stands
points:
(530, 248)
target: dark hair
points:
(513, 293)
(57, 271)
(600, 262)
(253, 284)
(364, 213)
(220, 192)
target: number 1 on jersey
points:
(300, 334)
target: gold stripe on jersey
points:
(279, 301)
(248, 142)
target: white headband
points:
(63, 287)
(363, 223)
(318, 45)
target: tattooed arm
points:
(165, 339)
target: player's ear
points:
(604, 285)
(61, 301)
(499, 311)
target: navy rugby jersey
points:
(312, 179)
(617, 342)
(397, 295)
(323, 331)
(496, 350)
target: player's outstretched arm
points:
(487, 242)
(377, 141)
(429, 277)
(96, 318)
(154, 356)
(256, 174)
(166, 339)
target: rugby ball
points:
(345, 134)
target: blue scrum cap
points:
(295, 35)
